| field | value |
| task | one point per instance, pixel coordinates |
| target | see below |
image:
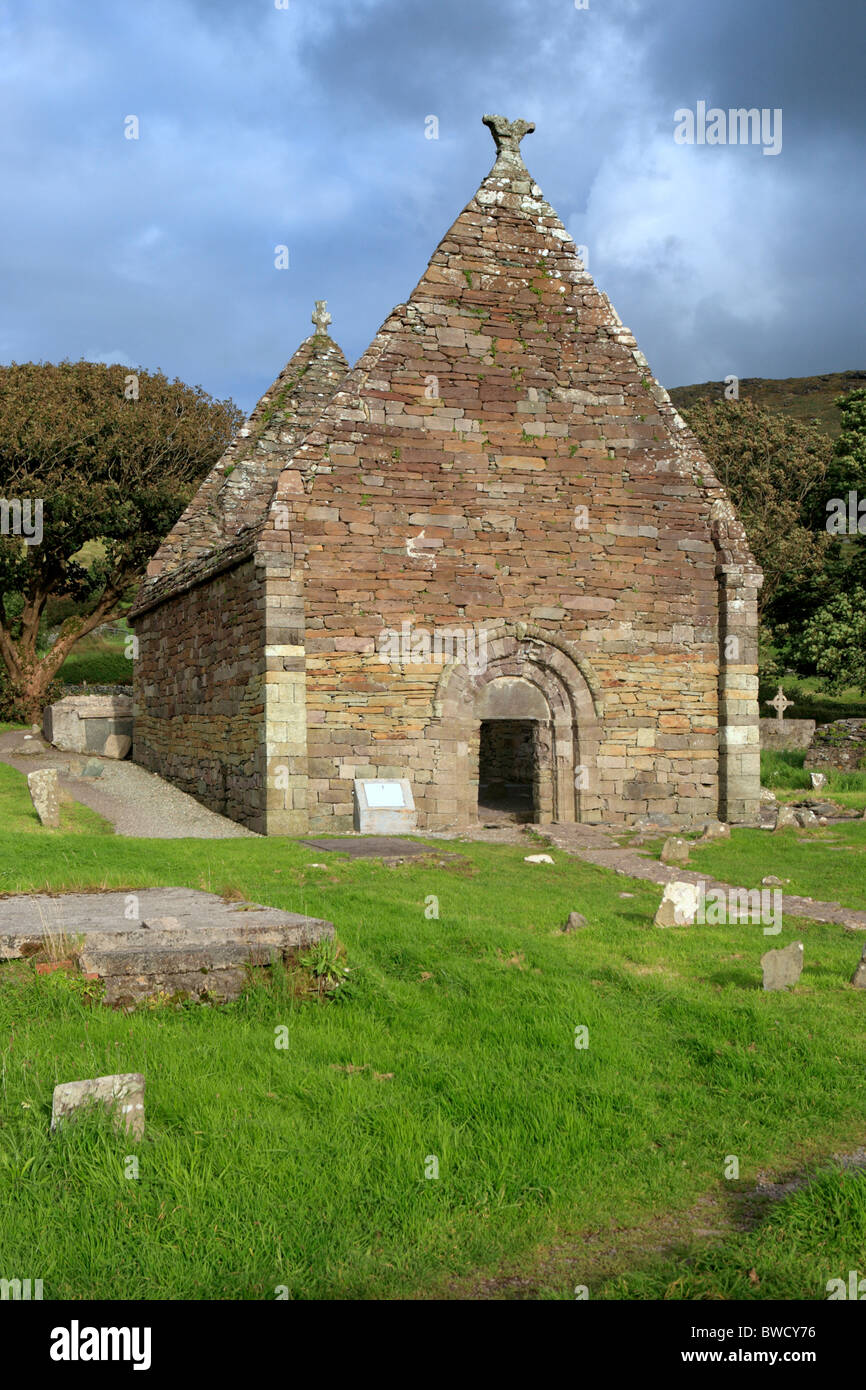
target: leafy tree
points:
(834, 639)
(847, 471)
(774, 470)
(89, 453)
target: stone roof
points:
(237, 492)
(503, 394)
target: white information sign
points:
(384, 796)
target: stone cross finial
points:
(321, 318)
(508, 135)
(780, 703)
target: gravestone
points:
(45, 796)
(679, 905)
(780, 703)
(783, 968)
(384, 807)
(122, 1096)
(716, 830)
(675, 851)
(574, 921)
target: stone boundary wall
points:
(841, 744)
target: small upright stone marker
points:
(121, 1094)
(819, 780)
(574, 922)
(783, 968)
(716, 830)
(858, 979)
(675, 851)
(679, 905)
(45, 796)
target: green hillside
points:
(802, 397)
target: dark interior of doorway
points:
(506, 771)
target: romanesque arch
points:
(525, 674)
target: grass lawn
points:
(454, 1040)
(817, 1232)
(17, 815)
(783, 772)
(825, 863)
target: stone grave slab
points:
(174, 941)
(377, 847)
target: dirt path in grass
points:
(136, 802)
(595, 846)
(594, 1256)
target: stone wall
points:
(841, 744)
(501, 461)
(787, 733)
(199, 693)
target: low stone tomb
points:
(169, 941)
(99, 724)
(841, 744)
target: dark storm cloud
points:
(306, 126)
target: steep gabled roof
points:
(238, 490)
(506, 376)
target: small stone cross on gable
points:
(780, 703)
(321, 318)
(508, 135)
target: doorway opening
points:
(508, 771)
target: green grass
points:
(783, 772)
(17, 815)
(98, 661)
(811, 1237)
(305, 1167)
(827, 863)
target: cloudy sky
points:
(305, 126)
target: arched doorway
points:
(515, 772)
(531, 681)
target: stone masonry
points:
(202, 616)
(496, 515)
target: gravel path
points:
(137, 803)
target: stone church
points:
(488, 559)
